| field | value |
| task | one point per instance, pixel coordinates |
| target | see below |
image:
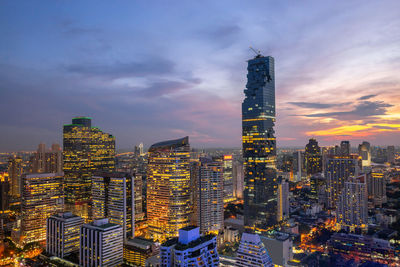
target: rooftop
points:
(170, 144)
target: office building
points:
(376, 182)
(299, 165)
(390, 154)
(63, 234)
(259, 144)
(168, 188)
(337, 172)
(101, 244)
(112, 198)
(47, 161)
(280, 247)
(4, 195)
(252, 252)
(228, 178)
(352, 207)
(238, 177)
(283, 199)
(15, 170)
(139, 198)
(364, 151)
(190, 249)
(208, 202)
(42, 196)
(313, 157)
(86, 149)
(317, 182)
(138, 250)
(345, 148)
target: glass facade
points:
(168, 188)
(259, 144)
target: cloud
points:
(312, 105)
(366, 97)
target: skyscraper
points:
(313, 157)
(283, 200)
(345, 148)
(259, 144)
(112, 197)
(41, 197)
(390, 154)
(44, 161)
(364, 150)
(15, 170)
(376, 184)
(252, 252)
(209, 196)
(101, 244)
(168, 188)
(63, 233)
(86, 149)
(228, 178)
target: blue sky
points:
(147, 72)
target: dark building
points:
(259, 144)
(86, 149)
(345, 148)
(313, 157)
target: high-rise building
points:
(112, 197)
(283, 200)
(44, 161)
(337, 172)
(376, 184)
(15, 170)
(168, 188)
(86, 149)
(4, 195)
(252, 252)
(364, 151)
(238, 177)
(101, 244)
(228, 178)
(313, 157)
(390, 154)
(190, 249)
(259, 144)
(138, 195)
(299, 165)
(345, 148)
(352, 207)
(63, 233)
(42, 196)
(209, 196)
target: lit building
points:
(112, 197)
(390, 154)
(138, 195)
(168, 188)
(138, 250)
(190, 249)
(63, 233)
(101, 244)
(209, 196)
(86, 149)
(259, 144)
(283, 200)
(4, 195)
(345, 148)
(238, 176)
(15, 170)
(337, 172)
(252, 252)
(44, 161)
(352, 207)
(41, 197)
(299, 165)
(364, 150)
(317, 182)
(228, 178)
(313, 157)
(377, 187)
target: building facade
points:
(15, 170)
(228, 178)
(259, 144)
(283, 200)
(376, 182)
(86, 149)
(364, 151)
(168, 188)
(313, 157)
(101, 244)
(138, 250)
(252, 252)
(63, 234)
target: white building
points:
(101, 244)
(252, 252)
(62, 234)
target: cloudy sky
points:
(147, 72)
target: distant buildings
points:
(42, 196)
(377, 187)
(352, 207)
(168, 188)
(283, 200)
(313, 157)
(390, 154)
(259, 144)
(252, 252)
(86, 149)
(101, 244)
(190, 249)
(208, 204)
(364, 150)
(15, 170)
(63, 234)
(44, 161)
(112, 197)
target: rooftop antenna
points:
(258, 53)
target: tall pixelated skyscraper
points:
(86, 149)
(15, 170)
(168, 188)
(313, 157)
(259, 144)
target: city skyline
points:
(159, 73)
